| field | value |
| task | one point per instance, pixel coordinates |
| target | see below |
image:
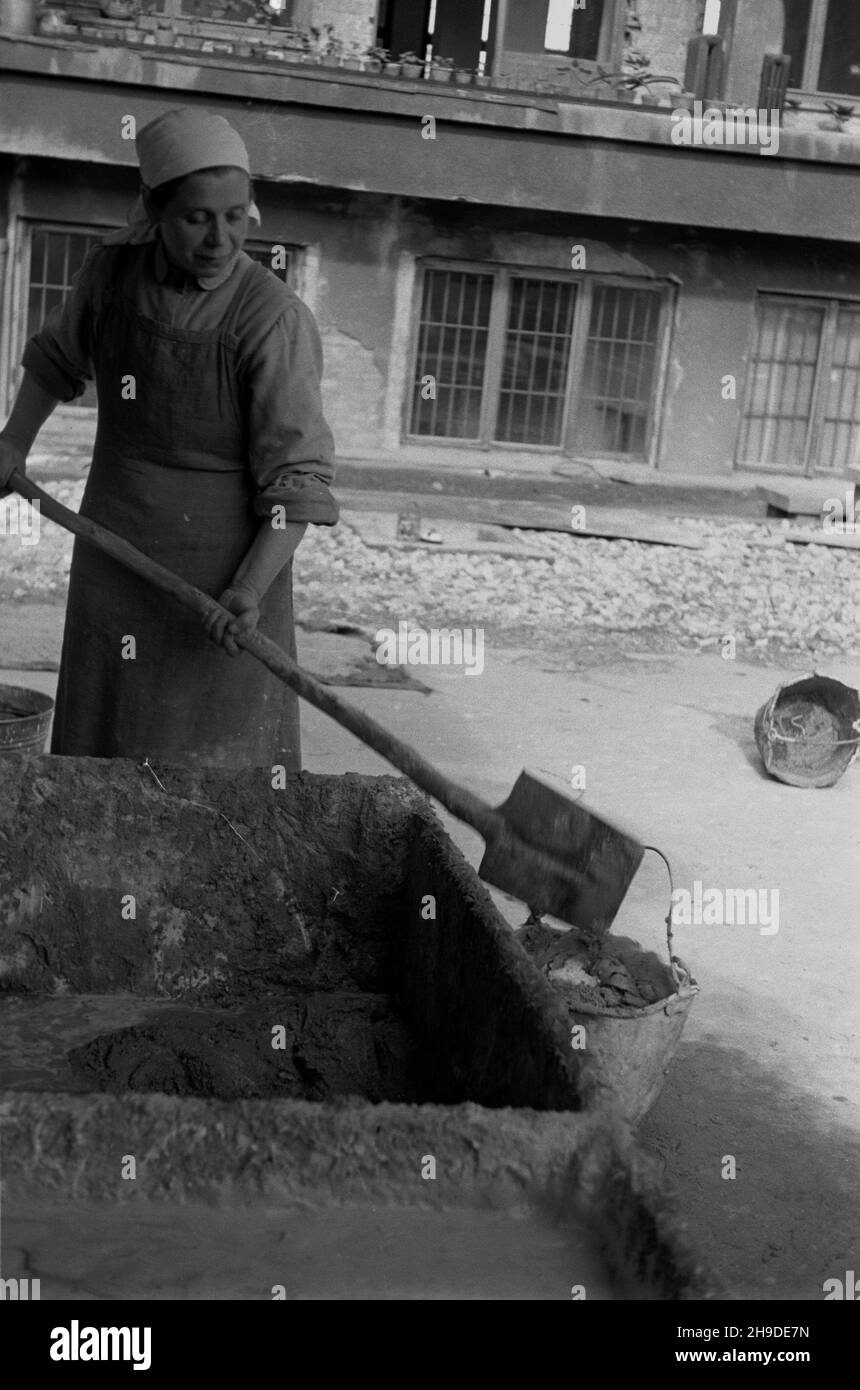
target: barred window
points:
(452, 354)
(53, 256)
(802, 400)
(496, 361)
(620, 366)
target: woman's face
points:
(206, 220)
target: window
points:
(262, 253)
(802, 403)
(573, 27)
(589, 30)
(496, 360)
(53, 255)
(823, 38)
(56, 256)
(458, 29)
(237, 11)
(452, 350)
(535, 362)
(620, 369)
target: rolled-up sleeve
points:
(59, 355)
(291, 448)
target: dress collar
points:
(165, 273)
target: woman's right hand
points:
(12, 460)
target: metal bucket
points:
(25, 718)
(629, 1047)
(632, 1048)
(808, 733)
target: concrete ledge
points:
(325, 86)
(583, 160)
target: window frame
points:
(667, 291)
(296, 253)
(585, 281)
(809, 89)
(830, 305)
(610, 41)
(19, 307)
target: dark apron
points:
(169, 473)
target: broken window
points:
(458, 29)
(496, 361)
(802, 402)
(573, 27)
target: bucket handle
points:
(680, 974)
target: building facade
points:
(552, 256)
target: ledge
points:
(361, 133)
(306, 84)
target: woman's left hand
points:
(244, 604)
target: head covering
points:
(177, 143)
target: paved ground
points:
(768, 1067)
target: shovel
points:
(541, 846)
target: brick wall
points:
(354, 21)
(666, 27)
(353, 393)
(549, 71)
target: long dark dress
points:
(179, 471)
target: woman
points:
(212, 456)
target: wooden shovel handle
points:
(461, 803)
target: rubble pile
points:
(746, 583)
(797, 599)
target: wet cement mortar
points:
(814, 735)
(615, 973)
(333, 1045)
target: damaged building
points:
(516, 253)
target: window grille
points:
(802, 402)
(535, 362)
(452, 354)
(621, 361)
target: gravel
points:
(40, 570)
(798, 599)
(795, 599)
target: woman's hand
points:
(12, 460)
(244, 603)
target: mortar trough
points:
(258, 1039)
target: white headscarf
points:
(177, 143)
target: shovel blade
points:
(559, 858)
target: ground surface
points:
(768, 1069)
(610, 660)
